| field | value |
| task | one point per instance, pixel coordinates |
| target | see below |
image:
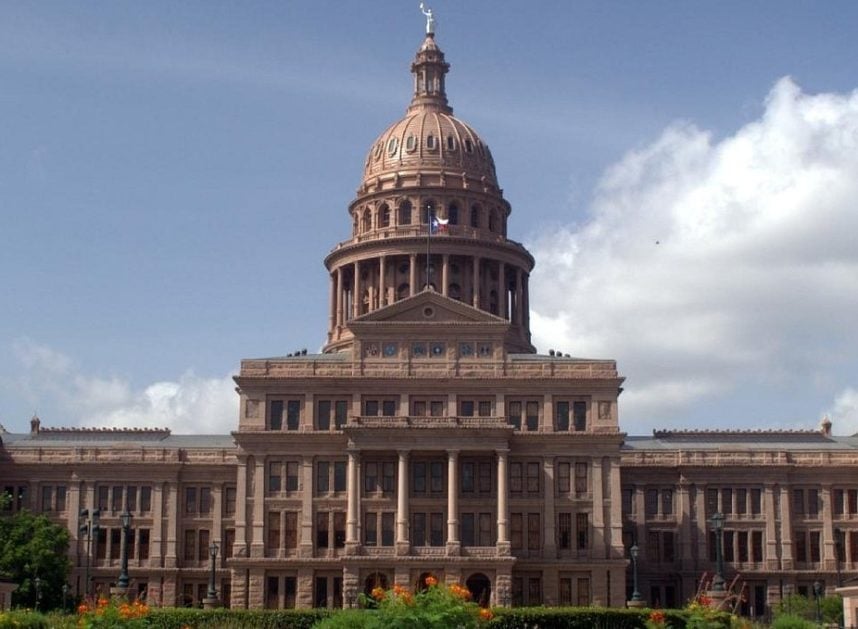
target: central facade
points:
(428, 438)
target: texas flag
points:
(438, 224)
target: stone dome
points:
(429, 138)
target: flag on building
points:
(437, 225)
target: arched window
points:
(402, 291)
(493, 220)
(451, 143)
(384, 216)
(427, 210)
(367, 221)
(480, 588)
(405, 213)
(454, 291)
(430, 142)
(475, 216)
(453, 214)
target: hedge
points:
(176, 618)
(587, 617)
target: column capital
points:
(403, 454)
(502, 451)
(453, 452)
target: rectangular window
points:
(145, 499)
(583, 592)
(467, 477)
(143, 543)
(468, 529)
(341, 412)
(711, 502)
(291, 476)
(275, 415)
(563, 478)
(485, 531)
(798, 501)
(190, 499)
(628, 501)
(290, 591)
(561, 417)
(291, 531)
(436, 408)
(418, 481)
(131, 498)
(436, 471)
(436, 532)
(274, 468)
(513, 414)
(205, 499)
(813, 503)
(190, 545)
(815, 546)
(651, 503)
(853, 501)
(387, 528)
(228, 542)
(837, 501)
(229, 501)
(582, 530)
(388, 408)
(756, 501)
(320, 598)
(115, 542)
(565, 592)
(653, 546)
(47, 498)
(293, 414)
(800, 546)
(116, 499)
(516, 536)
(370, 477)
(484, 408)
(742, 543)
(388, 477)
(667, 502)
(101, 544)
(339, 475)
(61, 498)
(564, 531)
(370, 529)
(339, 529)
(729, 555)
(581, 484)
(418, 408)
(515, 485)
(534, 591)
(668, 546)
(579, 416)
(726, 501)
(466, 408)
(323, 482)
(756, 546)
(419, 529)
(532, 416)
(533, 478)
(323, 415)
(203, 546)
(853, 546)
(273, 530)
(370, 408)
(533, 532)
(321, 529)
(272, 597)
(485, 478)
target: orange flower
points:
(82, 608)
(431, 581)
(705, 600)
(657, 617)
(378, 593)
(460, 591)
(486, 614)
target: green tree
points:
(31, 547)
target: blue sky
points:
(172, 174)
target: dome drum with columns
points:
(429, 164)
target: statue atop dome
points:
(430, 19)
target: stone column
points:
(403, 544)
(172, 523)
(615, 497)
(640, 515)
(352, 503)
(503, 545)
(332, 316)
(684, 512)
(357, 297)
(518, 297)
(475, 283)
(770, 517)
(257, 543)
(74, 506)
(526, 305)
(453, 542)
(828, 549)
(339, 297)
(549, 544)
(412, 274)
(382, 282)
(217, 518)
(786, 529)
(547, 423)
(445, 273)
(702, 529)
(155, 550)
(599, 532)
(502, 290)
(306, 543)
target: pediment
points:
(429, 307)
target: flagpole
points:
(429, 216)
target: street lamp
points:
(38, 583)
(817, 594)
(122, 583)
(212, 593)
(89, 528)
(717, 521)
(633, 551)
(65, 596)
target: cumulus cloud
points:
(707, 264)
(844, 411)
(191, 404)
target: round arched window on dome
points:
(384, 216)
(493, 220)
(469, 146)
(475, 216)
(405, 213)
(392, 145)
(402, 291)
(367, 221)
(427, 211)
(430, 142)
(377, 152)
(410, 144)
(451, 143)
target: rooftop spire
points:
(429, 69)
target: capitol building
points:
(429, 438)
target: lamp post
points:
(211, 600)
(717, 521)
(633, 551)
(89, 528)
(817, 594)
(122, 583)
(65, 596)
(38, 583)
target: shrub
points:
(23, 619)
(790, 621)
(177, 618)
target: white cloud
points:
(844, 411)
(705, 265)
(189, 405)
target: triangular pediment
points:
(429, 307)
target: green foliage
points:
(176, 618)
(31, 546)
(790, 621)
(832, 609)
(794, 605)
(20, 619)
